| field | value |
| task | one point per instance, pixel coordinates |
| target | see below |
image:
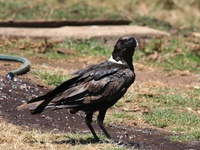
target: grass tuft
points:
(51, 78)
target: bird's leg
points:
(100, 119)
(88, 120)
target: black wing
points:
(106, 81)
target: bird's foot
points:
(128, 145)
(122, 144)
(91, 140)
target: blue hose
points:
(21, 70)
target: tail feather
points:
(61, 88)
(30, 106)
(39, 98)
(38, 104)
(41, 106)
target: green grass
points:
(123, 115)
(51, 78)
(164, 98)
(163, 117)
(85, 47)
(177, 101)
(48, 49)
(193, 135)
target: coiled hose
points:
(21, 70)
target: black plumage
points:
(95, 88)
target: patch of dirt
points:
(14, 93)
(173, 81)
(8, 66)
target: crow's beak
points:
(135, 40)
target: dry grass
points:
(14, 138)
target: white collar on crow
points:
(114, 61)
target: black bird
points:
(95, 88)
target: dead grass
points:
(14, 138)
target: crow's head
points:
(124, 49)
(126, 42)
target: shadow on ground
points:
(14, 93)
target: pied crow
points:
(95, 88)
